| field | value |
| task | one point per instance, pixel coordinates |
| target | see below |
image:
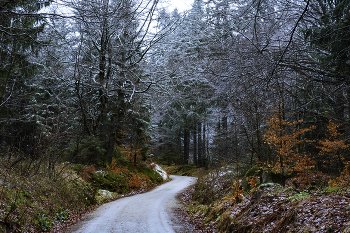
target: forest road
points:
(147, 212)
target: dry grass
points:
(35, 202)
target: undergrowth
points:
(37, 202)
(223, 201)
(182, 170)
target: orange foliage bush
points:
(302, 181)
(289, 158)
(145, 180)
(135, 181)
(132, 152)
(344, 179)
(332, 146)
(237, 191)
(253, 181)
(117, 169)
(153, 165)
(149, 161)
(85, 172)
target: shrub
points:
(109, 181)
(135, 181)
(86, 151)
(211, 187)
(333, 189)
(33, 203)
(62, 215)
(43, 223)
(188, 167)
(299, 196)
(154, 176)
(85, 172)
(237, 191)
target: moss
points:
(153, 175)
(109, 181)
(334, 189)
(299, 196)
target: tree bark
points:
(200, 144)
(186, 145)
(204, 146)
(195, 145)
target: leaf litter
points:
(271, 211)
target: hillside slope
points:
(270, 208)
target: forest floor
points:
(270, 209)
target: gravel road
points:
(147, 212)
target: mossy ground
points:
(182, 170)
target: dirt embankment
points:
(271, 210)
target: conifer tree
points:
(20, 26)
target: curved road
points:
(147, 212)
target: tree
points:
(115, 38)
(331, 157)
(328, 34)
(285, 144)
(20, 27)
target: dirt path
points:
(147, 212)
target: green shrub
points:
(175, 169)
(120, 157)
(187, 167)
(331, 189)
(87, 151)
(62, 215)
(78, 167)
(109, 181)
(43, 224)
(299, 196)
(153, 175)
(124, 161)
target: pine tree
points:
(329, 34)
(20, 26)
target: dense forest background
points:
(261, 83)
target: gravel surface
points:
(147, 212)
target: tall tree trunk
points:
(200, 144)
(186, 145)
(204, 160)
(195, 158)
(224, 136)
(180, 154)
(282, 117)
(339, 106)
